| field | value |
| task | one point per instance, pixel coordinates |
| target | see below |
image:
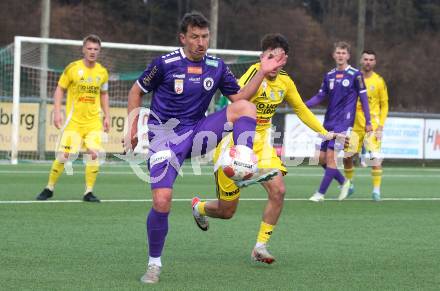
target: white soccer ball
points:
(239, 163)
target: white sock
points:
(259, 244)
(88, 190)
(376, 190)
(154, 261)
(50, 187)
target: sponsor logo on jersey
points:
(88, 89)
(195, 70)
(263, 108)
(212, 63)
(331, 83)
(195, 79)
(178, 86)
(147, 79)
(345, 83)
(339, 76)
(208, 83)
(179, 76)
(350, 72)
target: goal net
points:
(29, 73)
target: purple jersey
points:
(342, 89)
(183, 89)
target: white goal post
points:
(43, 56)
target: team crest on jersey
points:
(272, 95)
(208, 83)
(98, 79)
(281, 93)
(372, 88)
(345, 83)
(331, 84)
(178, 86)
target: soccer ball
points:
(239, 163)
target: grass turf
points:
(353, 245)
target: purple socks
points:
(329, 174)
(244, 131)
(157, 229)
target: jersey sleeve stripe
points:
(140, 86)
(251, 75)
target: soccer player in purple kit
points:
(183, 83)
(341, 86)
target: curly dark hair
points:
(273, 41)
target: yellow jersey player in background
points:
(86, 83)
(378, 102)
(275, 88)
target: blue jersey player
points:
(341, 86)
(183, 83)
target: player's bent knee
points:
(277, 195)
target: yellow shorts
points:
(359, 137)
(267, 159)
(76, 137)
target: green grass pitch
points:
(356, 244)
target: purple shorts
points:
(171, 145)
(333, 144)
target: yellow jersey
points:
(377, 100)
(84, 86)
(272, 93)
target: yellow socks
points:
(201, 208)
(376, 175)
(92, 169)
(55, 173)
(265, 233)
(349, 173)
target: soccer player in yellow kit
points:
(378, 102)
(275, 88)
(86, 83)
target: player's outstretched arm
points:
(57, 98)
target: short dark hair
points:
(369, 52)
(92, 38)
(193, 18)
(273, 41)
(342, 45)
